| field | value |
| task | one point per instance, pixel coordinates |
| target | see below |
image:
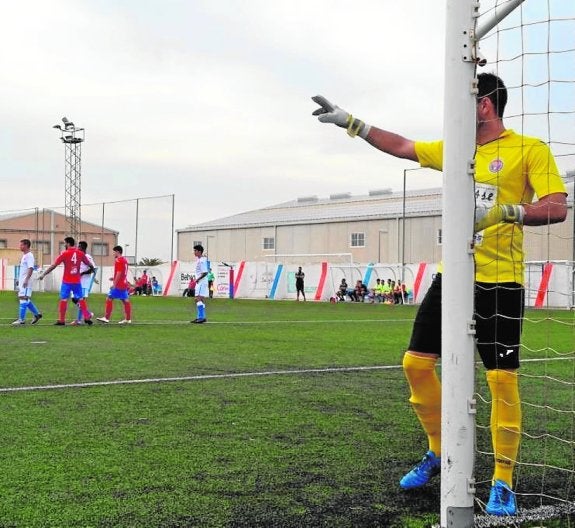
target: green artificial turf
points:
(254, 435)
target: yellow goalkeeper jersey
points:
(509, 170)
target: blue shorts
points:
(85, 293)
(71, 289)
(117, 293)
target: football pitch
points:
(273, 414)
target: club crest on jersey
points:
(495, 166)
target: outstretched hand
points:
(330, 113)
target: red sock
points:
(84, 307)
(109, 306)
(62, 307)
(128, 310)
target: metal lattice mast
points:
(72, 137)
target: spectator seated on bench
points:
(378, 291)
(156, 287)
(360, 291)
(342, 291)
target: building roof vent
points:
(340, 196)
(307, 199)
(379, 192)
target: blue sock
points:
(79, 318)
(201, 310)
(33, 308)
(22, 313)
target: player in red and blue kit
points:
(71, 258)
(119, 290)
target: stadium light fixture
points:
(72, 138)
(67, 123)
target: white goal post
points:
(457, 363)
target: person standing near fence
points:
(71, 258)
(510, 170)
(27, 264)
(211, 278)
(201, 284)
(299, 283)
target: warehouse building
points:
(381, 227)
(46, 229)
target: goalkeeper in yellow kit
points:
(510, 170)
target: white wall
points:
(256, 280)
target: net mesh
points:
(533, 50)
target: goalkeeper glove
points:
(330, 113)
(511, 214)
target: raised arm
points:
(392, 143)
(386, 141)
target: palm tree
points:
(150, 262)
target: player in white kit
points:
(201, 284)
(25, 285)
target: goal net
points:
(533, 51)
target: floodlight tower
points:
(72, 137)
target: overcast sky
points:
(210, 99)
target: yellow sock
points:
(505, 421)
(425, 396)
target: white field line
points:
(180, 322)
(201, 377)
(283, 321)
(238, 323)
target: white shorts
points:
(24, 292)
(202, 288)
